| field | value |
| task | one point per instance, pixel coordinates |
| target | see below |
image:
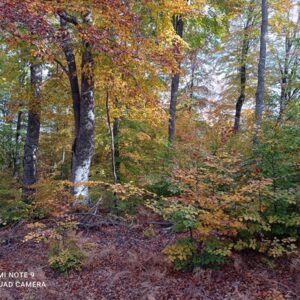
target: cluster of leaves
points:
(53, 198)
(181, 254)
(67, 248)
(228, 205)
(12, 209)
(65, 256)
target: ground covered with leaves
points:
(127, 263)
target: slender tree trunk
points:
(17, 156)
(243, 66)
(113, 130)
(243, 79)
(178, 25)
(62, 173)
(33, 133)
(193, 69)
(259, 103)
(84, 147)
(284, 77)
(116, 130)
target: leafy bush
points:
(13, 211)
(214, 253)
(64, 256)
(67, 248)
(165, 187)
(182, 216)
(226, 204)
(52, 199)
(181, 254)
(187, 253)
(6, 194)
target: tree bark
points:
(192, 84)
(33, 133)
(16, 170)
(84, 146)
(116, 130)
(243, 78)
(285, 77)
(66, 44)
(113, 130)
(178, 26)
(83, 107)
(259, 103)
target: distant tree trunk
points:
(17, 156)
(33, 133)
(259, 103)
(116, 130)
(62, 173)
(113, 130)
(290, 68)
(284, 77)
(178, 26)
(243, 79)
(192, 84)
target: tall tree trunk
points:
(83, 107)
(243, 79)
(33, 133)
(84, 146)
(178, 26)
(250, 18)
(66, 44)
(192, 84)
(16, 171)
(284, 77)
(259, 103)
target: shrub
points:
(6, 194)
(226, 204)
(66, 255)
(67, 249)
(181, 254)
(13, 211)
(165, 187)
(187, 253)
(214, 253)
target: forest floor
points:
(128, 265)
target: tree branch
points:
(62, 66)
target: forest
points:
(149, 149)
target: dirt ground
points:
(127, 265)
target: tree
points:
(16, 170)
(33, 132)
(178, 27)
(285, 51)
(83, 105)
(259, 100)
(250, 18)
(113, 128)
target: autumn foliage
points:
(89, 91)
